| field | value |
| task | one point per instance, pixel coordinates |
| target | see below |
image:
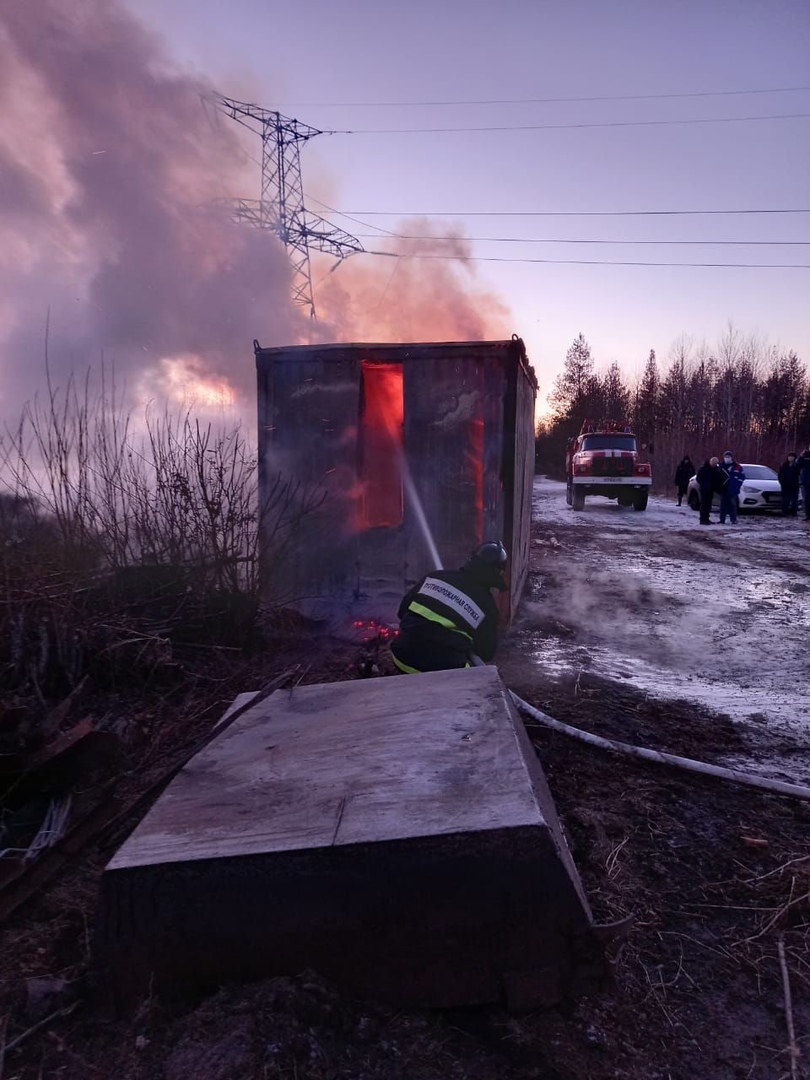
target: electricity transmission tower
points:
(281, 207)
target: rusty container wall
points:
(518, 467)
(453, 439)
(307, 473)
(468, 439)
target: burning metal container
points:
(381, 452)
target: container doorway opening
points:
(380, 449)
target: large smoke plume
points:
(424, 290)
(110, 166)
(110, 171)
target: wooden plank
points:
(347, 763)
(396, 835)
(238, 703)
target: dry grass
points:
(99, 522)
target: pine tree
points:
(674, 392)
(701, 393)
(648, 399)
(574, 385)
(615, 395)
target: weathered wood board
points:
(396, 834)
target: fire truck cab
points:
(604, 460)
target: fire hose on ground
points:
(720, 772)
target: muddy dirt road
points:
(716, 616)
(651, 629)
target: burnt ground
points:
(716, 877)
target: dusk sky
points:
(317, 59)
(112, 174)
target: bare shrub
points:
(91, 510)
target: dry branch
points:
(793, 1048)
(21, 1038)
(779, 915)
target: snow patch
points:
(720, 622)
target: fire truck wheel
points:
(578, 499)
(640, 501)
(568, 497)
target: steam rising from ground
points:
(109, 167)
(622, 610)
(681, 614)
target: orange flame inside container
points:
(381, 432)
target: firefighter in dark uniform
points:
(451, 614)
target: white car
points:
(760, 490)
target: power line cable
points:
(557, 213)
(357, 221)
(591, 262)
(536, 240)
(568, 127)
(539, 100)
(559, 240)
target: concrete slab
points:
(397, 834)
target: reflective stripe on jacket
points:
(450, 609)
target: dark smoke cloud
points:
(407, 298)
(109, 167)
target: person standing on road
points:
(804, 480)
(789, 483)
(710, 480)
(730, 495)
(683, 474)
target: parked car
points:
(760, 491)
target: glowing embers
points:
(370, 630)
(380, 447)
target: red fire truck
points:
(604, 460)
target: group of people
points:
(794, 475)
(726, 479)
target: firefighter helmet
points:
(487, 564)
(492, 554)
